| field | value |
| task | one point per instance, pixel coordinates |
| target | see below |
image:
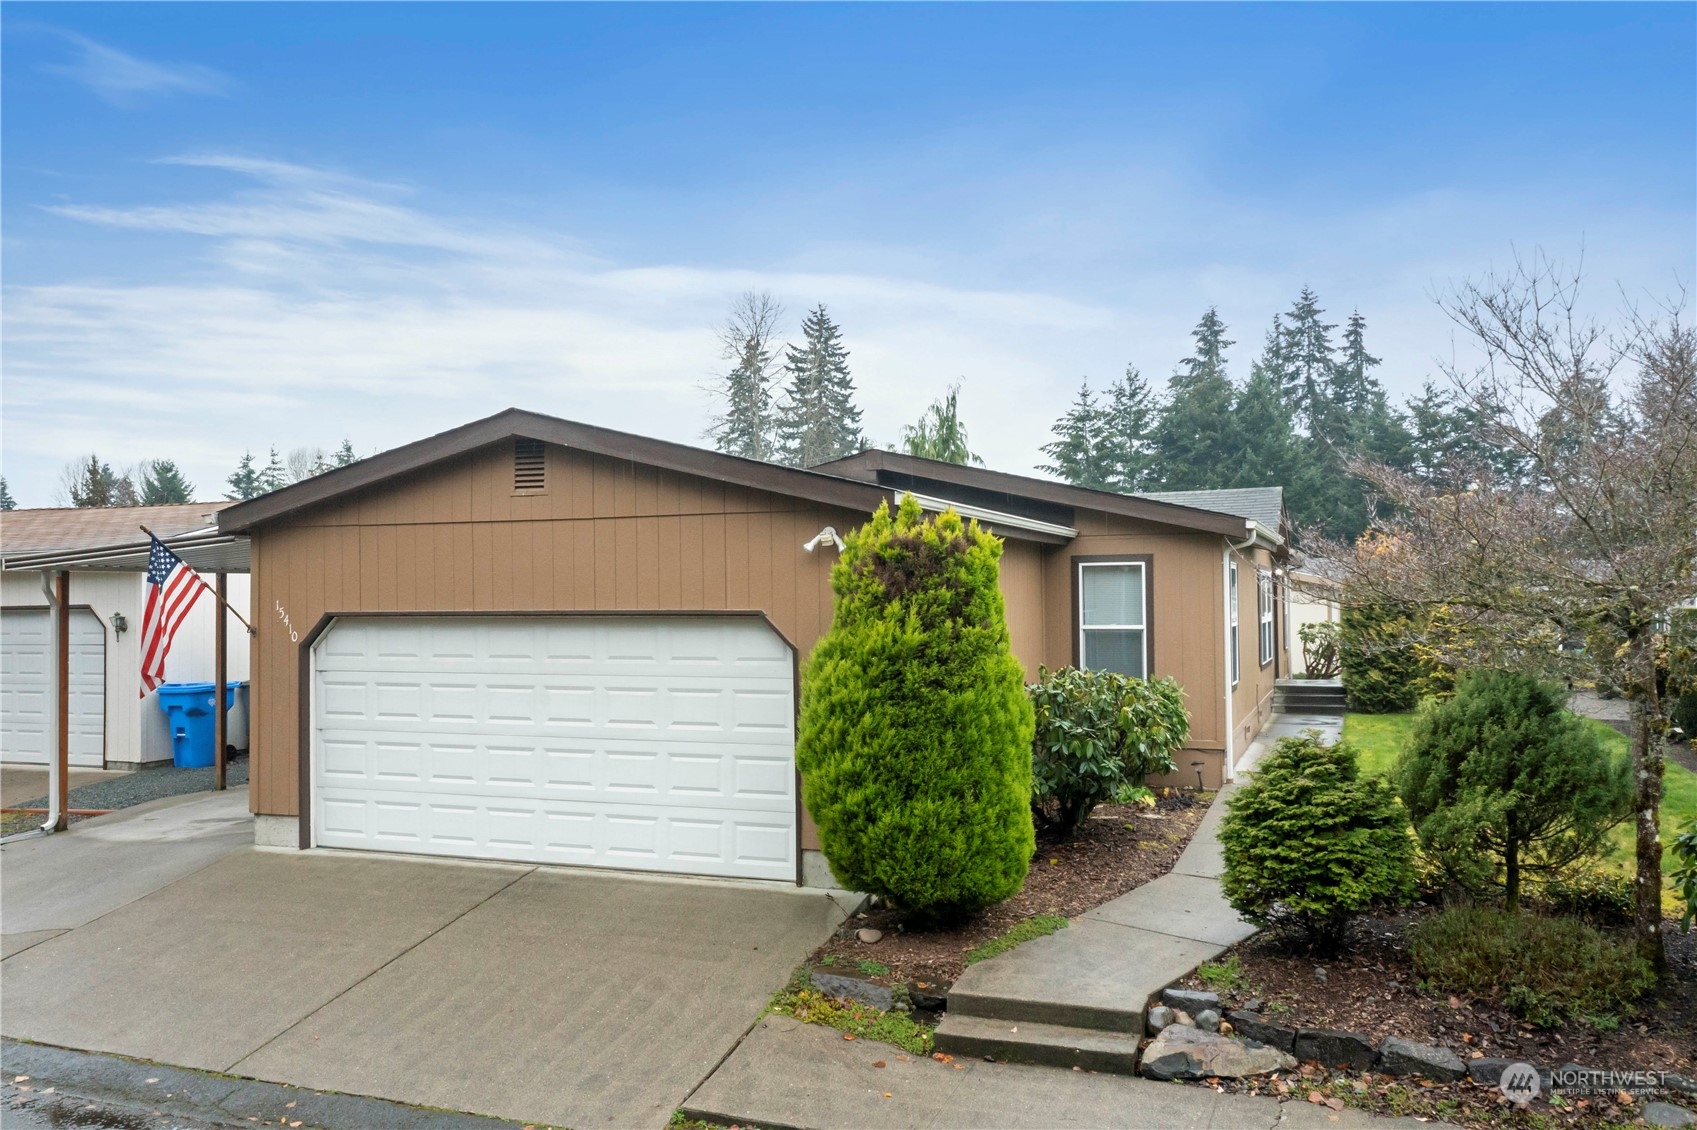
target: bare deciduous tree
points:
(749, 339)
(305, 462)
(1598, 543)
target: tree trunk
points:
(1647, 769)
(1511, 870)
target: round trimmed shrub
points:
(915, 734)
(1099, 732)
(1501, 781)
(1311, 843)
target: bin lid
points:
(196, 688)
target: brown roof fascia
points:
(815, 487)
(866, 465)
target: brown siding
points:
(1252, 700)
(1022, 594)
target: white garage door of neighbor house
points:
(25, 663)
(632, 742)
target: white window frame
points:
(1231, 608)
(1264, 606)
(1142, 629)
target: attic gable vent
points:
(529, 468)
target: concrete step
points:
(1048, 1045)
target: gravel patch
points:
(146, 785)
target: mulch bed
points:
(1117, 850)
(1373, 989)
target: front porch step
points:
(1047, 1045)
(1309, 696)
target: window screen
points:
(1112, 620)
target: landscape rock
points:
(1192, 1001)
(1183, 1018)
(1257, 1027)
(1189, 1053)
(1681, 1083)
(1487, 1071)
(933, 998)
(1321, 975)
(1159, 1018)
(868, 935)
(854, 988)
(1398, 1056)
(1252, 1005)
(1208, 1020)
(1334, 1048)
(1666, 1114)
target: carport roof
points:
(852, 483)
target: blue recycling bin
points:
(188, 711)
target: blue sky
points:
(247, 225)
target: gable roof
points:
(73, 528)
(1265, 506)
(894, 469)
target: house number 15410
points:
(294, 636)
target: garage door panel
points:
(653, 743)
(636, 837)
(25, 665)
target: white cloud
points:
(125, 80)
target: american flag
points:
(172, 589)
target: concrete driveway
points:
(572, 998)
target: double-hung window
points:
(1231, 621)
(1113, 617)
(1264, 605)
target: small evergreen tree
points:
(7, 502)
(1126, 443)
(91, 482)
(1310, 842)
(939, 434)
(162, 483)
(1196, 438)
(1501, 778)
(244, 481)
(749, 341)
(1076, 451)
(1381, 670)
(817, 419)
(275, 476)
(914, 743)
(345, 454)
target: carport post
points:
(62, 790)
(221, 728)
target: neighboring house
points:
(538, 640)
(1315, 598)
(110, 725)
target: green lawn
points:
(1380, 738)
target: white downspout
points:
(1226, 628)
(50, 709)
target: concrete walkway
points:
(807, 1077)
(1077, 997)
(535, 994)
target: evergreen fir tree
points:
(1306, 357)
(939, 434)
(1265, 449)
(124, 492)
(275, 476)
(1195, 435)
(1126, 441)
(90, 482)
(345, 454)
(162, 483)
(818, 420)
(244, 481)
(7, 502)
(746, 427)
(1075, 453)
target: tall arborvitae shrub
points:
(1310, 842)
(1381, 671)
(1501, 780)
(915, 738)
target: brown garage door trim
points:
(303, 675)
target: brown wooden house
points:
(532, 639)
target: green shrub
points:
(1501, 779)
(807, 1004)
(1376, 655)
(1684, 873)
(1310, 842)
(1319, 649)
(1545, 970)
(1098, 733)
(1585, 890)
(915, 736)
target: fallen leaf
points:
(903, 1058)
(20, 1078)
(1316, 1097)
(152, 1080)
(887, 1095)
(1335, 1104)
(289, 1106)
(958, 1067)
(877, 1063)
(1455, 1002)
(848, 1035)
(47, 1090)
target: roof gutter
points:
(992, 517)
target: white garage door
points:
(643, 743)
(25, 663)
